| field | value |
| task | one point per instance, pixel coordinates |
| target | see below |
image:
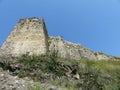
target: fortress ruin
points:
(30, 37)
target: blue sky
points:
(92, 23)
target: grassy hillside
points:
(70, 74)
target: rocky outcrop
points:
(8, 82)
(102, 56)
(69, 50)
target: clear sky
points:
(92, 23)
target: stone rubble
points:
(9, 82)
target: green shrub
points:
(37, 87)
(94, 75)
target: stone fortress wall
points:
(30, 37)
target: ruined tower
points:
(28, 37)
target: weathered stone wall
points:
(102, 56)
(28, 37)
(69, 50)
